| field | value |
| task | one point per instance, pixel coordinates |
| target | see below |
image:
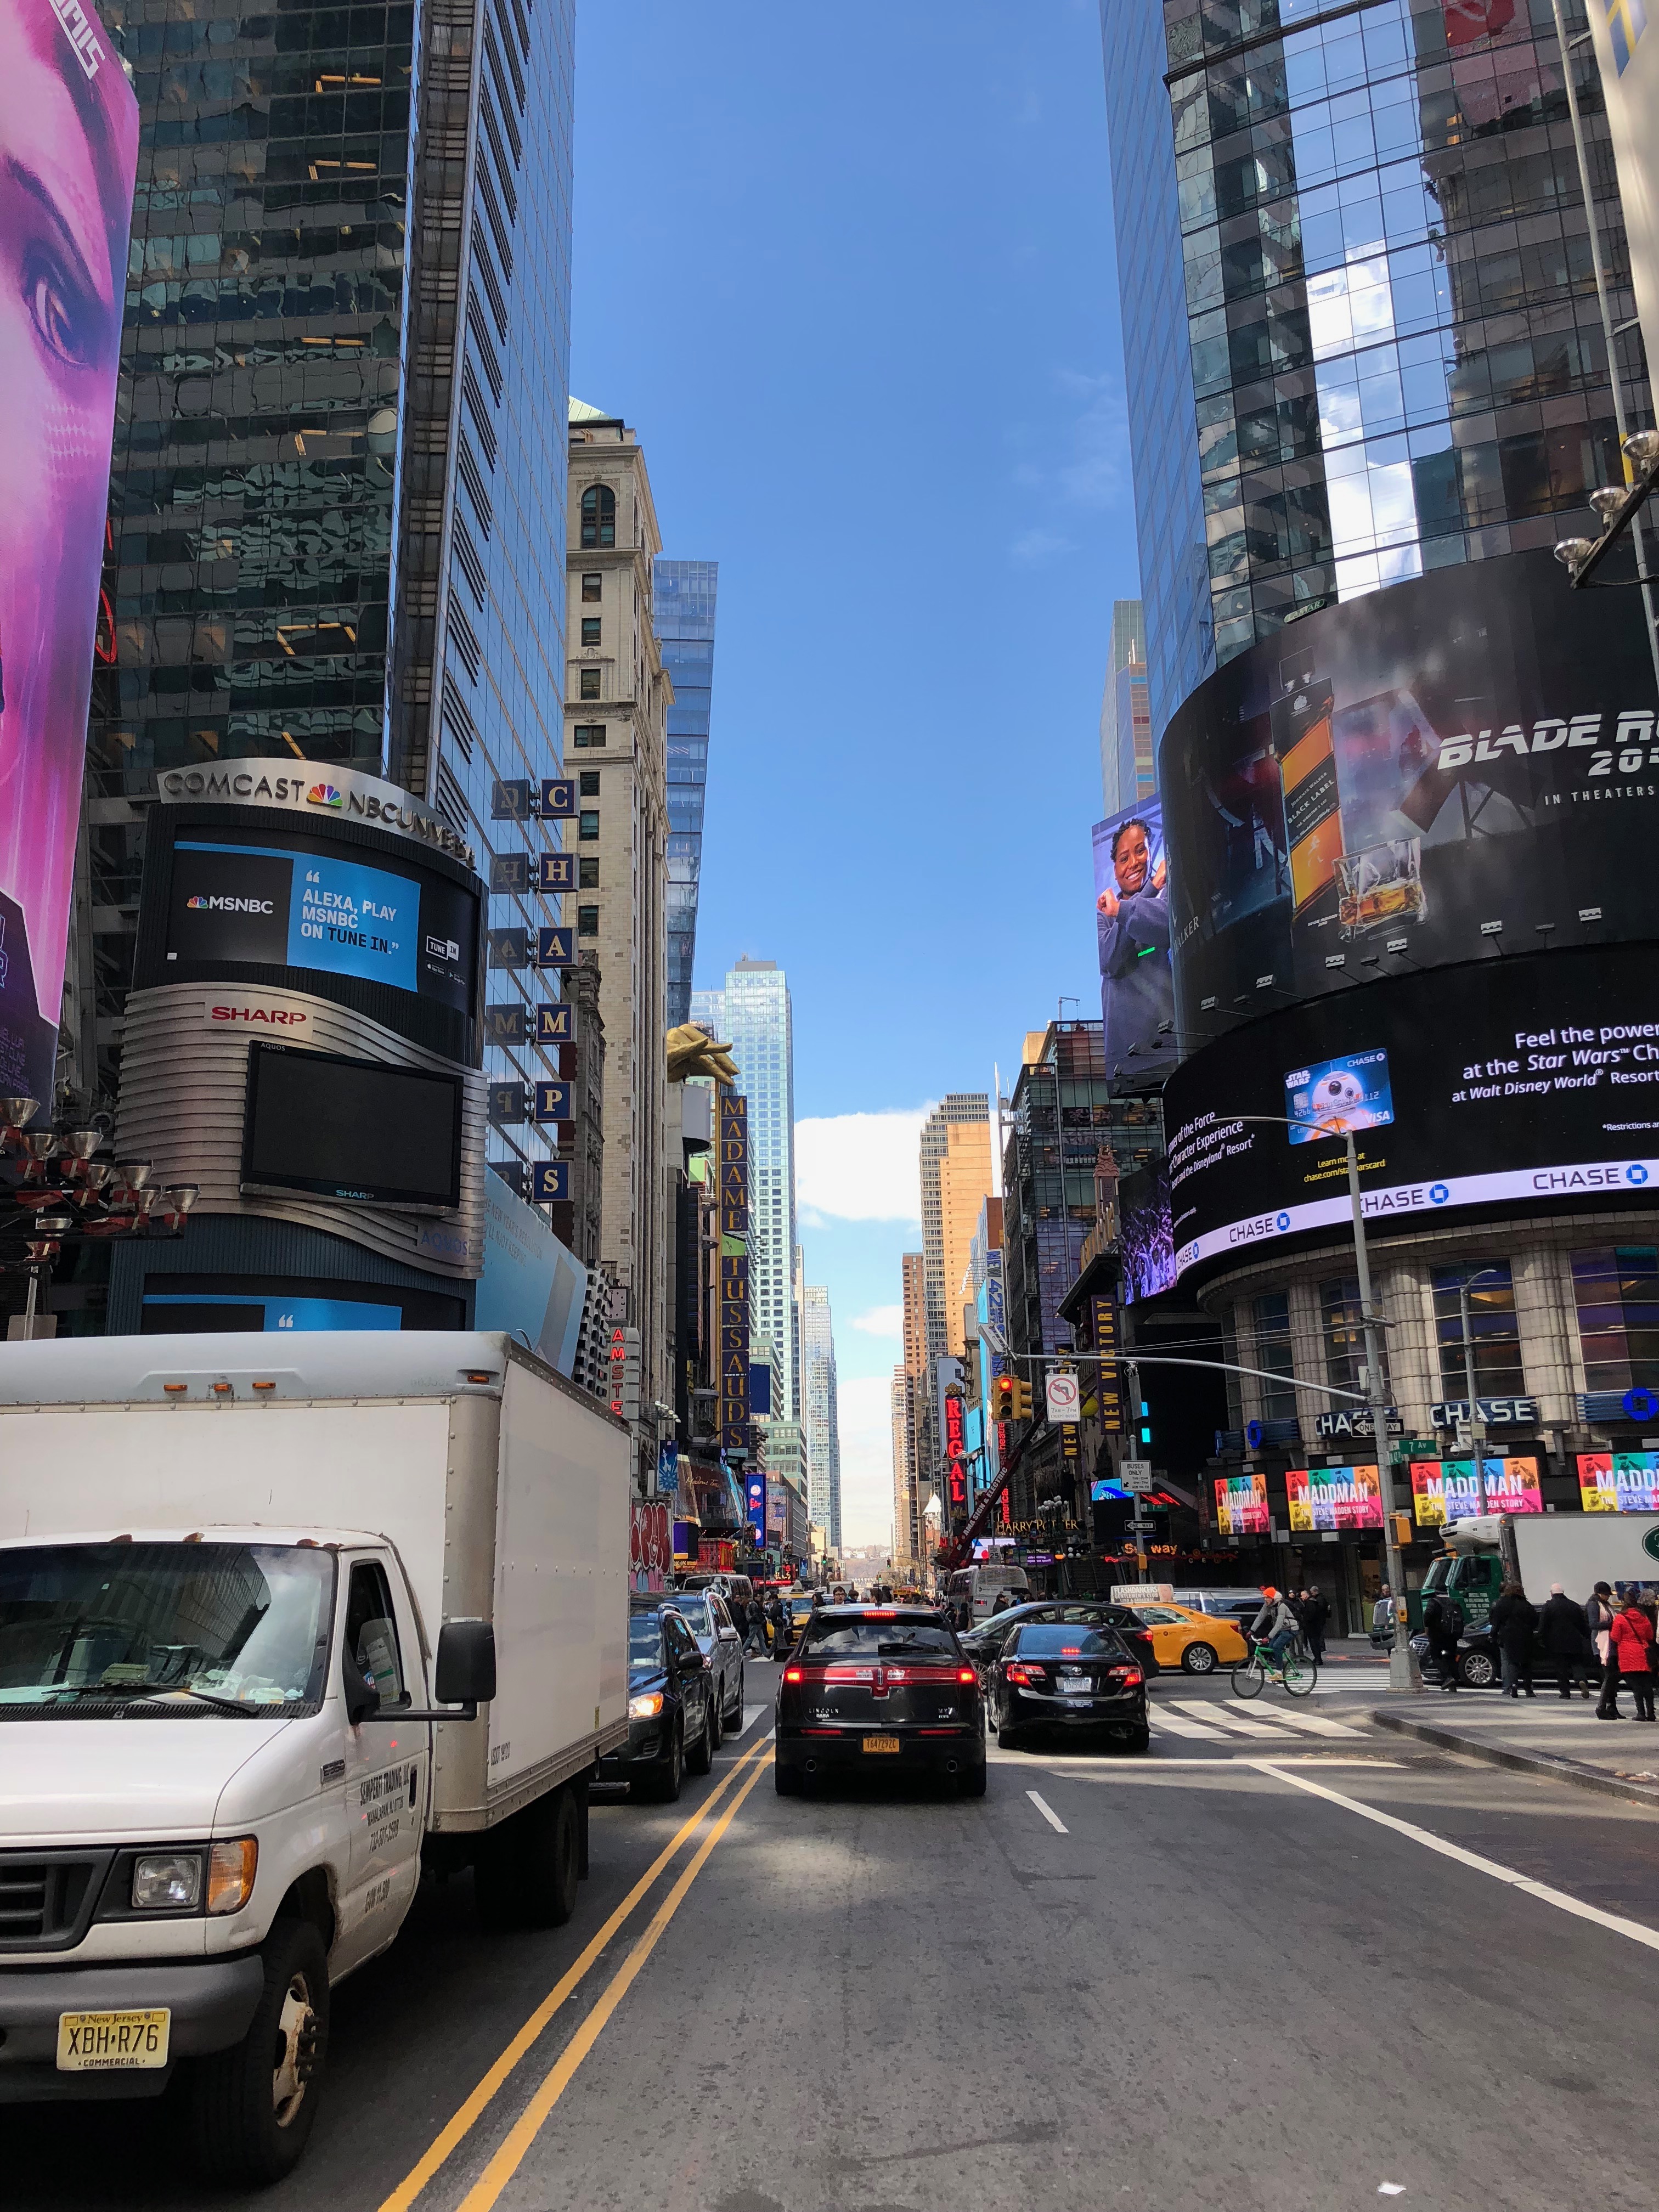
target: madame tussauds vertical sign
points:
(69, 149)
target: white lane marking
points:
(1174, 1725)
(1390, 2188)
(1312, 1724)
(1632, 1930)
(1125, 1770)
(1223, 1717)
(1049, 1814)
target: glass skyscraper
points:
(1360, 323)
(753, 1012)
(819, 1414)
(338, 486)
(684, 595)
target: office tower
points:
(956, 1178)
(752, 1013)
(615, 702)
(907, 1528)
(1385, 356)
(1129, 773)
(912, 1272)
(820, 1418)
(684, 602)
(339, 465)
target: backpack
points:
(1441, 1616)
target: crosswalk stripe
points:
(1174, 1725)
(1223, 1717)
(1313, 1724)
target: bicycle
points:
(1295, 1673)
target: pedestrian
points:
(1382, 1618)
(1443, 1618)
(780, 1626)
(1315, 1611)
(755, 1635)
(1514, 1618)
(1632, 1644)
(1004, 1603)
(1599, 1615)
(1564, 1633)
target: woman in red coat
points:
(1632, 1647)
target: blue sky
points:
(849, 271)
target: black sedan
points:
(984, 1644)
(1050, 1676)
(879, 1689)
(672, 1721)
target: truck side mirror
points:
(466, 1671)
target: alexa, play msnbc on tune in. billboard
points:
(68, 147)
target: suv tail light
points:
(1131, 1677)
(1030, 1677)
(793, 1675)
(966, 1674)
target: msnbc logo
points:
(323, 794)
(195, 905)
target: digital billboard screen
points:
(281, 901)
(1132, 930)
(1241, 1505)
(1619, 1482)
(1446, 1490)
(1146, 1250)
(1524, 1081)
(69, 123)
(358, 1130)
(1333, 1497)
(1378, 781)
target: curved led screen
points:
(1389, 784)
(1514, 1083)
(356, 1129)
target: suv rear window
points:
(1038, 1640)
(876, 1640)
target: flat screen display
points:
(1445, 1489)
(1132, 933)
(1619, 1482)
(281, 900)
(1505, 1083)
(1380, 780)
(351, 1129)
(1333, 1497)
(1241, 1505)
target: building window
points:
(587, 922)
(1345, 1337)
(591, 586)
(599, 515)
(1270, 1329)
(590, 629)
(588, 873)
(1616, 1288)
(587, 783)
(590, 684)
(587, 733)
(1493, 1335)
(587, 824)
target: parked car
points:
(1480, 1668)
(720, 1643)
(1066, 1675)
(984, 1645)
(879, 1688)
(671, 1704)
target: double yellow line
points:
(506, 2160)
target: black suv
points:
(879, 1688)
(672, 1722)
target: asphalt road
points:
(1282, 1971)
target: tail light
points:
(1030, 1678)
(793, 1675)
(966, 1674)
(1131, 1677)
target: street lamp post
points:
(1477, 1426)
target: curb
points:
(1547, 1763)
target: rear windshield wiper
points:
(908, 1643)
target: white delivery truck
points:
(1577, 1550)
(238, 1573)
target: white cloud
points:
(882, 1320)
(860, 1167)
(863, 1408)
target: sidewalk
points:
(1545, 1736)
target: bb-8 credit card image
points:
(1337, 1094)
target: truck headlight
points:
(231, 1869)
(647, 1707)
(167, 1881)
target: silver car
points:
(705, 1614)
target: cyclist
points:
(1276, 1625)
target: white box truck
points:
(283, 1620)
(1577, 1550)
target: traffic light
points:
(1146, 1423)
(1002, 1398)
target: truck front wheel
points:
(253, 2106)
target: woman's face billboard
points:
(69, 149)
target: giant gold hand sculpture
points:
(693, 1051)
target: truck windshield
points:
(89, 1630)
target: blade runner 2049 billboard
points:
(1375, 786)
(69, 134)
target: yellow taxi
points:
(1197, 1643)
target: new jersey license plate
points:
(111, 2042)
(881, 1743)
